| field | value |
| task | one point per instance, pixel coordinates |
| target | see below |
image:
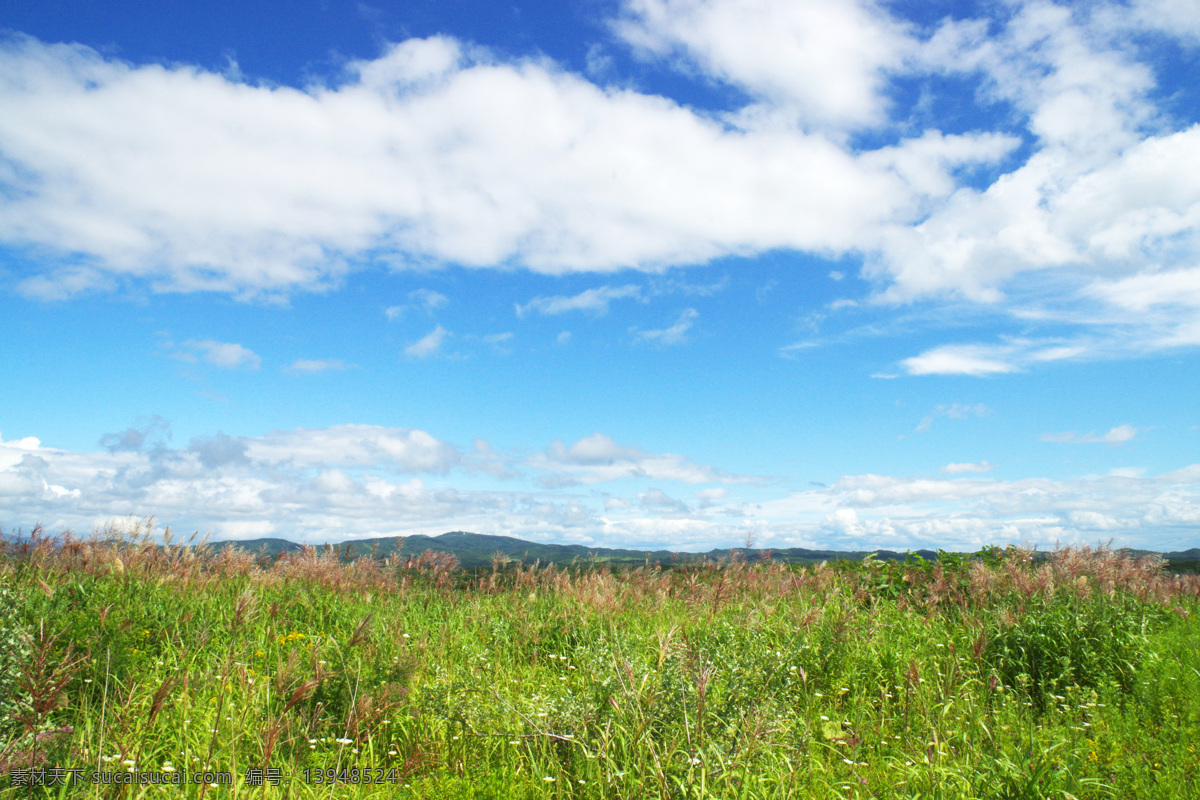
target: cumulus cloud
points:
(1098, 194)
(598, 457)
(821, 63)
(186, 179)
(181, 179)
(401, 449)
(657, 500)
(150, 432)
(355, 481)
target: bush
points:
(14, 649)
(1067, 641)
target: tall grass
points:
(996, 677)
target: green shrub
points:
(14, 648)
(1066, 641)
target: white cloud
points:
(955, 359)
(676, 334)
(403, 449)
(952, 411)
(354, 481)
(563, 338)
(593, 301)
(313, 366)
(967, 468)
(1107, 190)
(426, 300)
(658, 500)
(179, 179)
(1117, 435)
(820, 62)
(598, 458)
(226, 355)
(186, 180)
(429, 344)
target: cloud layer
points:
(353, 481)
(441, 152)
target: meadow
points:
(1003, 675)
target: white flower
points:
(345, 741)
(548, 779)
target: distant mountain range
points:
(478, 550)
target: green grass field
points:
(996, 677)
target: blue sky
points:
(667, 273)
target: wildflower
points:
(548, 779)
(345, 741)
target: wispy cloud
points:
(592, 301)
(1117, 435)
(676, 334)
(313, 366)
(426, 300)
(967, 468)
(952, 411)
(429, 344)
